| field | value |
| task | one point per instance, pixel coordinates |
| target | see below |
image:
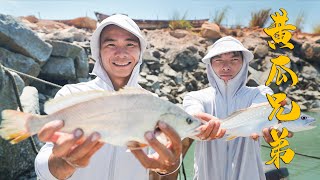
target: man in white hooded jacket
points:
(117, 46)
(227, 67)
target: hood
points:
(128, 24)
(224, 45)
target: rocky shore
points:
(60, 53)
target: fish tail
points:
(15, 125)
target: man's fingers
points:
(84, 161)
(84, 148)
(255, 136)
(48, 130)
(174, 137)
(145, 160)
(221, 133)
(165, 154)
(266, 135)
(66, 142)
(206, 134)
(204, 116)
(290, 135)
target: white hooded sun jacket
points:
(110, 162)
(238, 159)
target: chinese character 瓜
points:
(278, 64)
(294, 114)
(279, 31)
(278, 143)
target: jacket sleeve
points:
(41, 161)
(192, 104)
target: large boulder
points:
(64, 49)
(18, 38)
(311, 51)
(7, 95)
(210, 31)
(59, 68)
(81, 63)
(184, 59)
(16, 160)
(19, 62)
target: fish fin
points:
(15, 125)
(231, 138)
(60, 103)
(277, 126)
(134, 145)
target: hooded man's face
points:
(227, 65)
(119, 51)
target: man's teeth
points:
(121, 64)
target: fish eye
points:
(303, 117)
(189, 120)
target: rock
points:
(315, 104)
(178, 33)
(152, 78)
(16, 37)
(19, 158)
(152, 62)
(168, 71)
(166, 90)
(183, 60)
(156, 54)
(143, 74)
(311, 51)
(64, 49)
(69, 35)
(59, 68)
(309, 72)
(7, 94)
(251, 42)
(210, 31)
(261, 51)
(20, 63)
(82, 65)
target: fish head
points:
(183, 123)
(304, 122)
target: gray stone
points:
(18, 38)
(59, 68)
(82, 65)
(143, 74)
(168, 71)
(19, 62)
(152, 78)
(309, 72)
(64, 49)
(152, 62)
(178, 33)
(7, 95)
(261, 51)
(311, 51)
(251, 42)
(183, 60)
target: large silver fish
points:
(244, 123)
(120, 117)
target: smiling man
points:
(227, 65)
(117, 46)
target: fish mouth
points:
(312, 123)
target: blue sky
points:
(239, 11)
